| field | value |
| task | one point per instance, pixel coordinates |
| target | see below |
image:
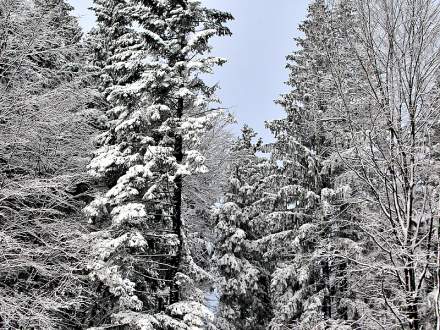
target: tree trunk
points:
(326, 304)
(412, 308)
(437, 296)
(177, 202)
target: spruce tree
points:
(158, 111)
(244, 283)
(304, 225)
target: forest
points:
(128, 202)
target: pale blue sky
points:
(255, 74)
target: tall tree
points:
(299, 274)
(158, 112)
(395, 47)
(307, 224)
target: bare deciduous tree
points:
(44, 145)
(390, 110)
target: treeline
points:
(106, 140)
(339, 227)
(125, 202)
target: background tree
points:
(43, 151)
(244, 283)
(202, 191)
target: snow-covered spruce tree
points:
(303, 231)
(44, 147)
(158, 111)
(244, 283)
(103, 40)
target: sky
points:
(254, 76)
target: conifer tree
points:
(244, 288)
(158, 111)
(359, 215)
(304, 225)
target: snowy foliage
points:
(243, 283)
(151, 56)
(44, 148)
(334, 225)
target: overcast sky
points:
(255, 74)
